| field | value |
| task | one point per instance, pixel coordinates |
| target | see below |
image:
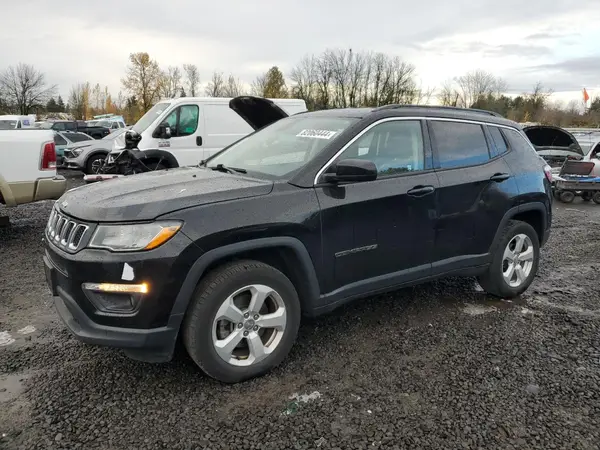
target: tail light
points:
(48, 159)
(548, 173)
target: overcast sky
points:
(554, 41)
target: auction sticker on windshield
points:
(317, 134)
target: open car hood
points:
(258, 112)
(549, 140)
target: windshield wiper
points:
(222, 168)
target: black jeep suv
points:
(305, 214)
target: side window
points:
(517, 141)
(395, 147)
(59, 140)
(459, 144)
(499, 146)
(188, 120)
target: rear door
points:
(383, 227)
(476, 189)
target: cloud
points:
(487, 50)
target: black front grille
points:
(65, 232)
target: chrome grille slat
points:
(64, 232)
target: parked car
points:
(111, 121)
(89, 156)
(14, 122)
(28, 169)
(554, 144)
(66, 139)
(308, 213)
(76, 125)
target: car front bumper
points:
(148, 331)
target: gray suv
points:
(89, 156)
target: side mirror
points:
(351, 170)
(163, 131)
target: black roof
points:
(448, 112)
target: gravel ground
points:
(435, 366)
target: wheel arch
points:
(285, 253)
(168, 157)
(534, 213)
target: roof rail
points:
(451, 108)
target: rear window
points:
(499, 145)
(77, 137)
(459, 144)
(8, 124)
(284, 146)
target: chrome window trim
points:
(394, 119)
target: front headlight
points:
(77, 151)
(129, 238)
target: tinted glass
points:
(283, 147)
(459, 144)
(395, 147)
(8, 124)
(517, 141)
(499, 144)
(59, 140)
(188, 120)
(77, 137)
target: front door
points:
(186, 126)
(382, 228)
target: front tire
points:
(243, 321)
(596, 198)
(94, 164)
(515, 261)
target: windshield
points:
(8, 124)
(114, 134)
(283, 147)
(46, 125)
(147, 119)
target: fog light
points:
(115, 299)
(117, 288)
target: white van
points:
(12, 122)
(198, 127)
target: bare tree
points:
(233, 87)
(259, 85)
(216, 85)
(171, 83)
(478, 83)
(448, 95)
(303, 77)
(192, 78)
(25, 88)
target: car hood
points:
(258, 112)
(149, 195)
(553, 141)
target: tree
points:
(60, 104)
(216, 85)
(171, 83)
(477, 84)
(275, 84)
(25, 88)
(79, 100)
(143, 80)
(192, 78)
(52, 105)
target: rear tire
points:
(213, 321)
(499, 280)
(596, 198)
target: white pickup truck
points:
(28, 167)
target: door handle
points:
(421, 191)
(198, 141)
(499, 177)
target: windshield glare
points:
(8, 124)
(147, 119)
(283, 147)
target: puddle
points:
(11, 386)
(478, 310)
(6, 339)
